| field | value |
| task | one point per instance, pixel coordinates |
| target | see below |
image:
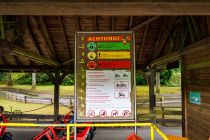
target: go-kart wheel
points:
(7, 136)
(90, 135)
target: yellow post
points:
(68, 132)
(152, 133)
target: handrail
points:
(151, 125)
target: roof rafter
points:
(145, 23)
(113, 23)
(38, 32)
(47, 37)
(143, 42)
(164, 36)
(95, 23)
(29, 28)
(130, 23)
(64, 35)
(78, 25)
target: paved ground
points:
(100, 134)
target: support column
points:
(33, 80)
(151, 91)
(158, 82)
(56, 92)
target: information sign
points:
(105, 80)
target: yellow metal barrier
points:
(152, 127)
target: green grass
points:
(12, 106)
(69, 90)
(142, 91)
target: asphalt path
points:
(100, 133)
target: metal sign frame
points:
(133, 83)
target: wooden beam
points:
(34, 24)
(145, 23)
(78, 25)
(29, 28)
(208, 25)
(165, 35)
(113, 23)
(176, 55)
(14, 50)
(40, 68)
(64, 36)
(130, 22)
(4, 60)
(22, 52)
(143, 43)
(159, 38)
(47, 37)
(111, 7)
(56, 92)
(68, 61)
(17, 61)
(95, 23)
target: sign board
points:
(105, 80)
(195, 97)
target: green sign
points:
(113, 46)
(195, 97)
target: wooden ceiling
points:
(47, 42)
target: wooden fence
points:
(167, 111)
(33, 99)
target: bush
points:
(68, 80)
(140, 80)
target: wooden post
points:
(158, 82)
(33, 80)
(56, 92)
(184, 97)
(151, 91)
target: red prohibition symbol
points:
(91, 113)
(126, 113)
(102, 113)
(114, 113)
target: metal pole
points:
(152, 133)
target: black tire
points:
(7, 136)
(90, 135)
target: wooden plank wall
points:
(197, 78)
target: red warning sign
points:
(121, 64)
(91, 113)
(114, 113)
(102, 113)
(91, 65)
(126, 113)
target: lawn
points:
(23, 107)
(69, 90)
(142, 91)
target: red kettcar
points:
(3, 134)
(59, 133)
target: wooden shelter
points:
(39, 35)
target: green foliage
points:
(43, 79)
(140, 80)
(165, 76)
(3, 78)
(68, 80)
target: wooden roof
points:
(47, 42)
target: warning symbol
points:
(91, 113)
(102, 113)
(114, 113)
(126, 113)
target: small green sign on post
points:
(195, 97)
